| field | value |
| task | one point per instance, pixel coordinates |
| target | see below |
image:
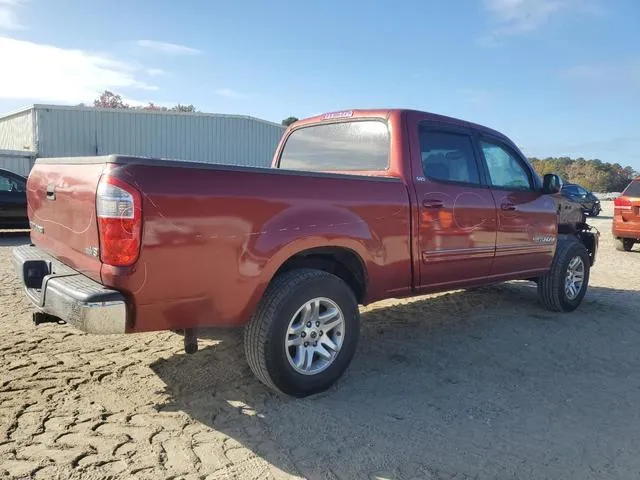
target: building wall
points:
(16, 131)
(19, 162)
(208, 138)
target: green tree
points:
(109, 99)
(184, 108)
(594, 175)
(289, 121)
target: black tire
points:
(551, 286)
(625, 244)
(265, 335)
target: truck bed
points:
(213, 234)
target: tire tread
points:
(624, 244)
(256, 334)
(551, 285)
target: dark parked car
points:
(13, 200)
(590, 203)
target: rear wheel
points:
(625, 244)
(563, 287)
(304, 333)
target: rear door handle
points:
(508, 207)
(433, 204)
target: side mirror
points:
(551, 184)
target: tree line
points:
(594, 175)
(108, 99)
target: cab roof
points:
(388, 112)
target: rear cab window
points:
(633, 189)
(358, 145)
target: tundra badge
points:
(36, 227)
(540, 238)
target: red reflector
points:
(119, 212)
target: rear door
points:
(527, 219)
(457, 213)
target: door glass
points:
(506, 170)
(448, 157)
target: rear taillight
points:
(119, 212)
(622, 203)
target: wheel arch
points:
(340, 261)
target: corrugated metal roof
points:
(58, 130)
(124, 110)
(231, 139)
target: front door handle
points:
(433, 204)
(508, 207)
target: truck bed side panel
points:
(213, 239)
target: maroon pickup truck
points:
(358, 206)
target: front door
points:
(527, 219)
(457, 214)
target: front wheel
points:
(304, 333)
(563, 287)
(624, 244)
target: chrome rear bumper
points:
(59, 291)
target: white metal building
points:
(59, 131)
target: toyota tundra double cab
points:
(358, 206)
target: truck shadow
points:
(483, 373)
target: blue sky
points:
(560, 77)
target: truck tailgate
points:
(62, 212)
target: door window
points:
(506, 169)
(448, 157)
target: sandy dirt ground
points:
(471, 384)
